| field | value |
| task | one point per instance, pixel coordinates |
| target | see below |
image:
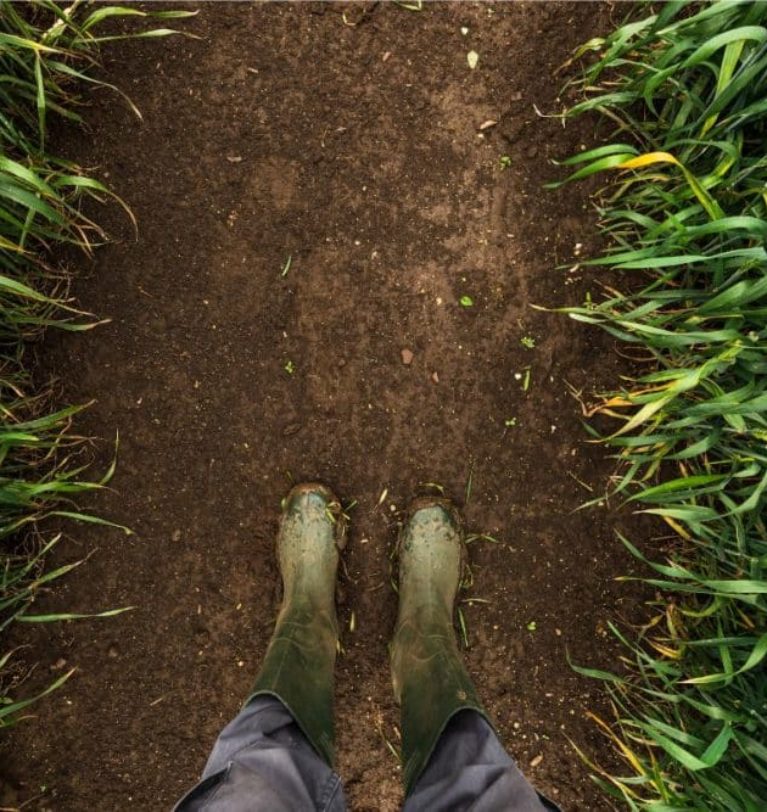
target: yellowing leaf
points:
(628, 754)
(671, 653)
(712, 208)
(677, 527)
(648, 159)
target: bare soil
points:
(349, 139)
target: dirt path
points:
(352, 147)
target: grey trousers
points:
(262, 762)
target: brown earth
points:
(347, 138)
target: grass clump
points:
(46, 52)
(685, 212)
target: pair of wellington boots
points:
(430, 681)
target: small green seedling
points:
(527, 341)
(467, 301)
(532, 626)
(510, 422)
(505, 161)
(286, 266)
(289, 367)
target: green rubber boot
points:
(298, 667)
(430, 681)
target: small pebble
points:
(176, 535)
(536, 761)
(435, 377)
(407, 357)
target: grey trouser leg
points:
(262, 762)
(470, 770)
